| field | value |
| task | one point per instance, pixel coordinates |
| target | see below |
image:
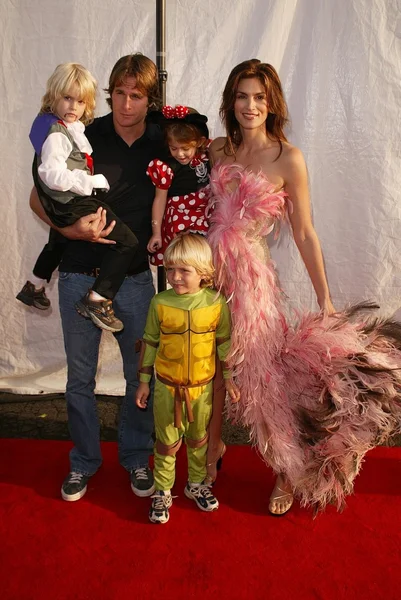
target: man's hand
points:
(142, 394)
(91, 228)
(232, 390)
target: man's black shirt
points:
(131, 191)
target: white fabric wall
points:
(340, 63)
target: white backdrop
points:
(340, 63)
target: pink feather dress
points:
(316, 394)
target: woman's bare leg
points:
(216, 447)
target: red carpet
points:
(104, 548)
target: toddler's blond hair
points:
(64, 77)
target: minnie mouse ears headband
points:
(178, 114)
(175, 112)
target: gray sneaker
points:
(142, 482)
(74, 486)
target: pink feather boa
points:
(317, 395)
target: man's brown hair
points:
(145, 72)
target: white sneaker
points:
(202, 495)
(161, 502)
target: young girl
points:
(63, 175)
(185, 326)
(181, 181)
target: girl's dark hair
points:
(188, 129)
(278, 112)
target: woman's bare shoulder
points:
(293, 166)
(292, 155)
(218, 143)
(216, 148)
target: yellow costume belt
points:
(181, 395)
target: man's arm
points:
(91, 228)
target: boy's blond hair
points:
(64, 77)
(191, 249)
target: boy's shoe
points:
(101, 312)
(30, 296)
(142, 482)
(161, 502)
(74, 486)
(202, 495)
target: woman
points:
(316, 397)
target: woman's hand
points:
(232, 390)
(91, 228)
(155, 243)
(142, 395)
(327, 307)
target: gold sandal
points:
(211, 478)
(280, 497)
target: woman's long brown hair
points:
(278, 112)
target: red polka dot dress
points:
(187, 198)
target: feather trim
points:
(317, 394)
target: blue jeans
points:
(81, 342)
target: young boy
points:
(63, 174)
(185, 326)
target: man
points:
(123, 145)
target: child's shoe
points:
(30, 296)
(161, 502)
(202, 495)
(101, 312)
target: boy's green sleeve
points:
(151, 339)
(223, 336)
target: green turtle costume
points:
(182, 335)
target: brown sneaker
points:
(101, 312)
(33, 297)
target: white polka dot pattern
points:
(160, 174)
(185, 212)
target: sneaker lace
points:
(204, 491)
(141, 473)
(75, 477)
(160, 502)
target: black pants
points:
(51, 255)
(115, 261)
